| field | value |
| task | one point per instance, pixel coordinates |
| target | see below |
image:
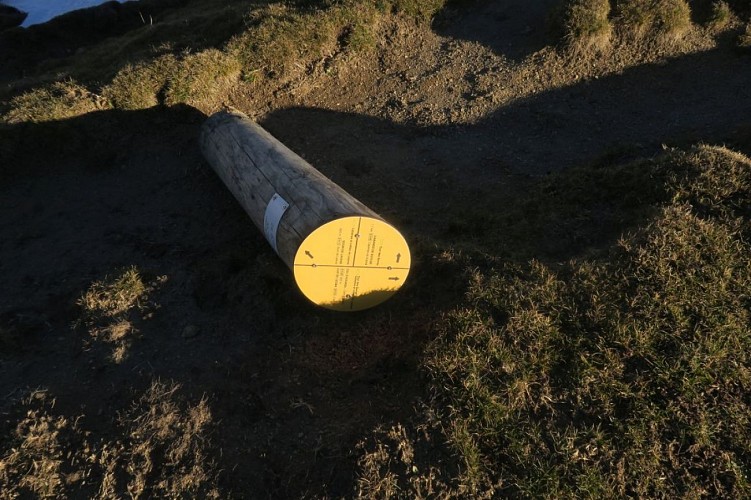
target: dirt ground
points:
(432, 126)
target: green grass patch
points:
(623, 375)
(624, 371)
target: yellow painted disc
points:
(352, 263)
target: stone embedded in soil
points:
(191, 331)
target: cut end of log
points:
(352, 263)
(343, 255)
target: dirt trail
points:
(431, 124)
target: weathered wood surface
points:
(254, 166)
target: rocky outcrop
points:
(10, 17)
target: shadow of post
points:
(292, 386)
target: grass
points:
(187, 78)
(114, 295)
(287, 38)
(744, 39)
(673, 17)
(58, 101)
(422, 10)
(160, 451)
(167, 64)
(664, 18)
(165, 29)
(166, 455)
(586, 23)
(111, 309)
(720, 16)
(35, 465)
(394, 449)
(624, 373)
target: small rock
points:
(190, 331)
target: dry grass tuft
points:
(284, 40)
(673, 18)
(160, 452)
(114, 295)
(110, 307)
(421, 10)
(586, 24)
(376, 480)
(37, 462)
(166, 453)
(720, 16)
(389, 467)
(667, 19)
(200, 77)
(139, 86)
(635, 16)
(744, 39)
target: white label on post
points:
(274, 212)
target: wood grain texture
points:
(254, 165)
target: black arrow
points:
(398, 257)
(308, 254)
(394, 279)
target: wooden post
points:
(344, 256)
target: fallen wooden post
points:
(343, 255)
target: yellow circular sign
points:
(352, 263)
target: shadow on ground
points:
(293, 387)
(461, 182)
(513, 28)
